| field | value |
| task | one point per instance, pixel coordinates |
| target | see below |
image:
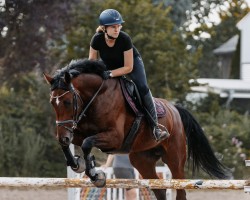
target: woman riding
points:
(121, 57)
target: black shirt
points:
(113, 57)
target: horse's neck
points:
(89, 84)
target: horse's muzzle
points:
(65, 141)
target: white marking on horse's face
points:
(57, 101)
(57, 97)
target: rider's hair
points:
(100, 29)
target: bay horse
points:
(92, 112)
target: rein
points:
(76, 118)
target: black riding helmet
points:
(110, 17)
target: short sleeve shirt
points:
(113, 57)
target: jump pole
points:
(54, 183)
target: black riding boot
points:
(153, 119)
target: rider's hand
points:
(106, 75)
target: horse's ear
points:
(67, 78)
(47, 78)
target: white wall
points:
(244, 27)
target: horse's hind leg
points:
(175, 158)
(145, 162)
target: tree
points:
(28, 29)
(228, 131)
(27, 147)
(178, 10)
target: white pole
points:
(54, 183)
(73, 193)
(247, 188)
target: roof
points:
(244, 22)
(228, 47)
(235, 88)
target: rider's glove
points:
(106, 75)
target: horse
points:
(92, 112)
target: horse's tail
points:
(199, 149)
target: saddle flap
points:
(133, 98)
(128, 90)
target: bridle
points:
(76, 118)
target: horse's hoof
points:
(100, 180)
(80, 165)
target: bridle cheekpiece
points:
(76, 118)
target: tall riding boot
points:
(153, 119)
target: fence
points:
(113, 184)
(113, 193)
(114, 189)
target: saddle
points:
(133, 99)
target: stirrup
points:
(160, 134)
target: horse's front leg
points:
(76, 163)
(97, 177)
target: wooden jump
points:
(53, 183)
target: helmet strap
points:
(109, 36)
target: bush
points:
(27, 147)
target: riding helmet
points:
(110, 17)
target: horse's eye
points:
(67, 103)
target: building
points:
(231, 89)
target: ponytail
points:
(100, 29)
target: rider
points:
(121, 57)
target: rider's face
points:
(114, 30)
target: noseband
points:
(76, 117)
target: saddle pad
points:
(160, 109)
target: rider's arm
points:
(93, 54)
(128, 64)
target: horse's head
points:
(66, 98)
(62, 99)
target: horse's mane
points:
(75, 68)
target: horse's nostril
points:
(65, 141)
